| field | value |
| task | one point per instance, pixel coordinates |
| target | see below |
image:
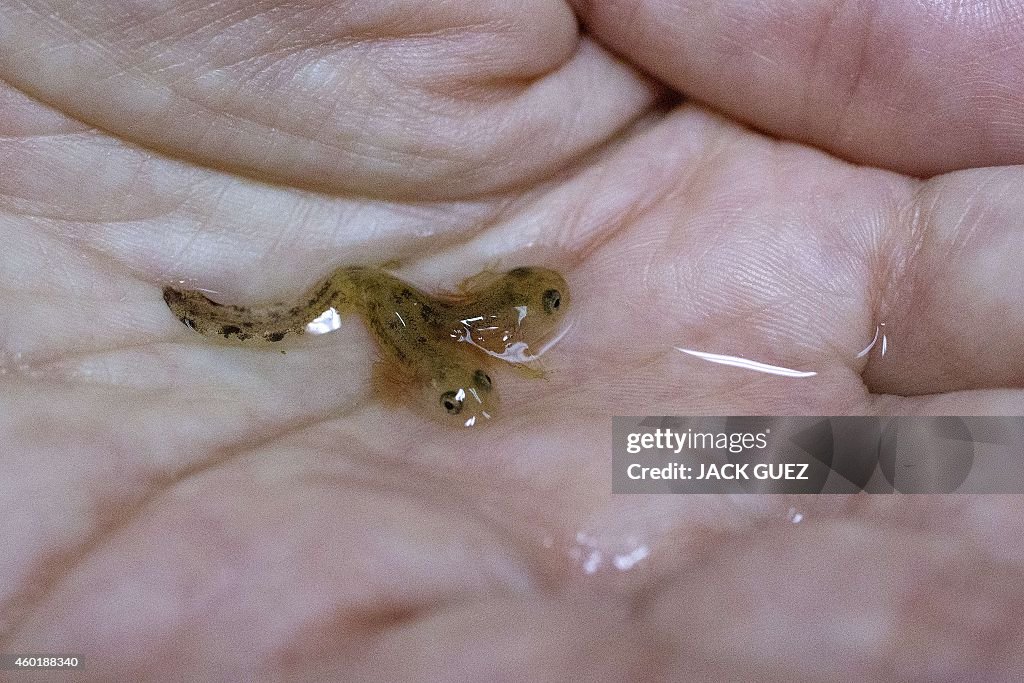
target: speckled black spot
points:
(482, 379)
(421, 339)
(247, 325)
(171, 295)
(426, 312)
(275, 336)
(227, 330)
(244, 335)
(406, 293)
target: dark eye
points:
(552, 300)
(452, 402)
(482, 379)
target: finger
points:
(981, 402)
(395, 99)
(919, 87)
(953, 317)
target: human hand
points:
(229, 513)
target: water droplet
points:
(627, 561)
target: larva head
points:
(463, 396)
(521, 309)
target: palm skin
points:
(236, 513)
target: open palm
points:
(233, 513)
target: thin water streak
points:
(747, 363)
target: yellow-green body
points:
(438, 344)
